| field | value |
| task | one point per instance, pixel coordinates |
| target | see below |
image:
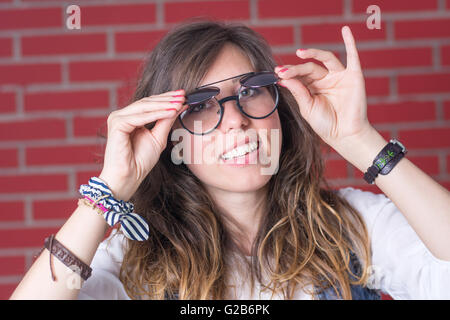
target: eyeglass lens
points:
(257, 98)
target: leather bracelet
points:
(66, 257)
(385, 160)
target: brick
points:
(447, 110)
(296, 8)
(395, 58)
(293, 59)
(385, 296)
(25, 237)
(386, 6)
(407, 111)
(277, 36)
(8, 158)
(424, 83)
(7, 102)
(221, 10)
(54, 209)
(103, 70)
(6, 47)
(118, 14)
(90, 126)
(138, 41)
(14, 265)
(30, 73)
(84, 154)
(66, 100)
(416, 29)
(33, 183)
(425, 138)
(445, 55)
(12, 211)
(84, 176)
(331, 33)
(448, 163)
(30, 18)
(335, 169)
(7, 289)
(125, 94)
(32, 129)
(64, 44)
(377, 86)
(445, 184)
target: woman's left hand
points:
(331, 99)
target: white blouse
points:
(402, 266)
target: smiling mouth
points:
(240, 152)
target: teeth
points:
(241, 150)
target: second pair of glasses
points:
(257, 98)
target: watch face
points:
(399, 143)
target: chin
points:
(239, 180)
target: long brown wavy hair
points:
(307, 233)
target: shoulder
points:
(362, 198)
(368, 204)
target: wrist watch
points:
(383, 163)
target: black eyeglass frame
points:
(244, 77)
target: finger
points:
(162, 127)
(145, 105)
(164, 98)
(330, 61)
(128, 123)
(310, 71)
(301, 95)
(353, 62)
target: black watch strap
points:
(386, 159)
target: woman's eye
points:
(248, 92)
(199, 107)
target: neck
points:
(242, 213)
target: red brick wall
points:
(57, 87)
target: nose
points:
(232, 117)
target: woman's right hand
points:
(132, 150)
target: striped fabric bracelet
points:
(118, 211)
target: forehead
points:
(230, 62)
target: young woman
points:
(221, 228)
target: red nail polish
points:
(283, 70)
(179, 95)
(168, 109)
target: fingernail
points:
(178, 95)
(168, 109)
(283, 70)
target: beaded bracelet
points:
(93, 204)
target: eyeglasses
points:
(257, 98)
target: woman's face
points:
(205, 156)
